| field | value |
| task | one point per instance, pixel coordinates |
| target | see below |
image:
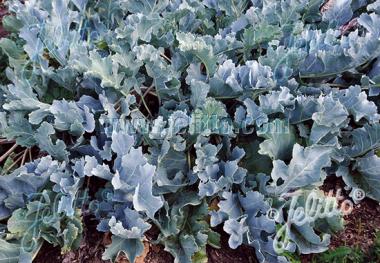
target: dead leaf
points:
(139, 259)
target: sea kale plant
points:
(186, 118)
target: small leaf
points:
(131, 247)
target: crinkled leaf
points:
(305, 168)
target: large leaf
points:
(43, 138)
(364, 140)
(305, 169)
(197, 47)
(280, 138)
(23, 182)
(367, 177)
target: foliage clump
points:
(192, 114)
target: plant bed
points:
(189, 131)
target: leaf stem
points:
(189, 159)
(24, 157)
(165, 57)
(12, 165)
(5, 141)
(5, 155)
(146, 107)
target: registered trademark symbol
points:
(272, 214)
(358, 194)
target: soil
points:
(360, 225)
(360, 228)
(90, 250)
(48, 254)
(94, 243)
(242, 254)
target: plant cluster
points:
(192, 114)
